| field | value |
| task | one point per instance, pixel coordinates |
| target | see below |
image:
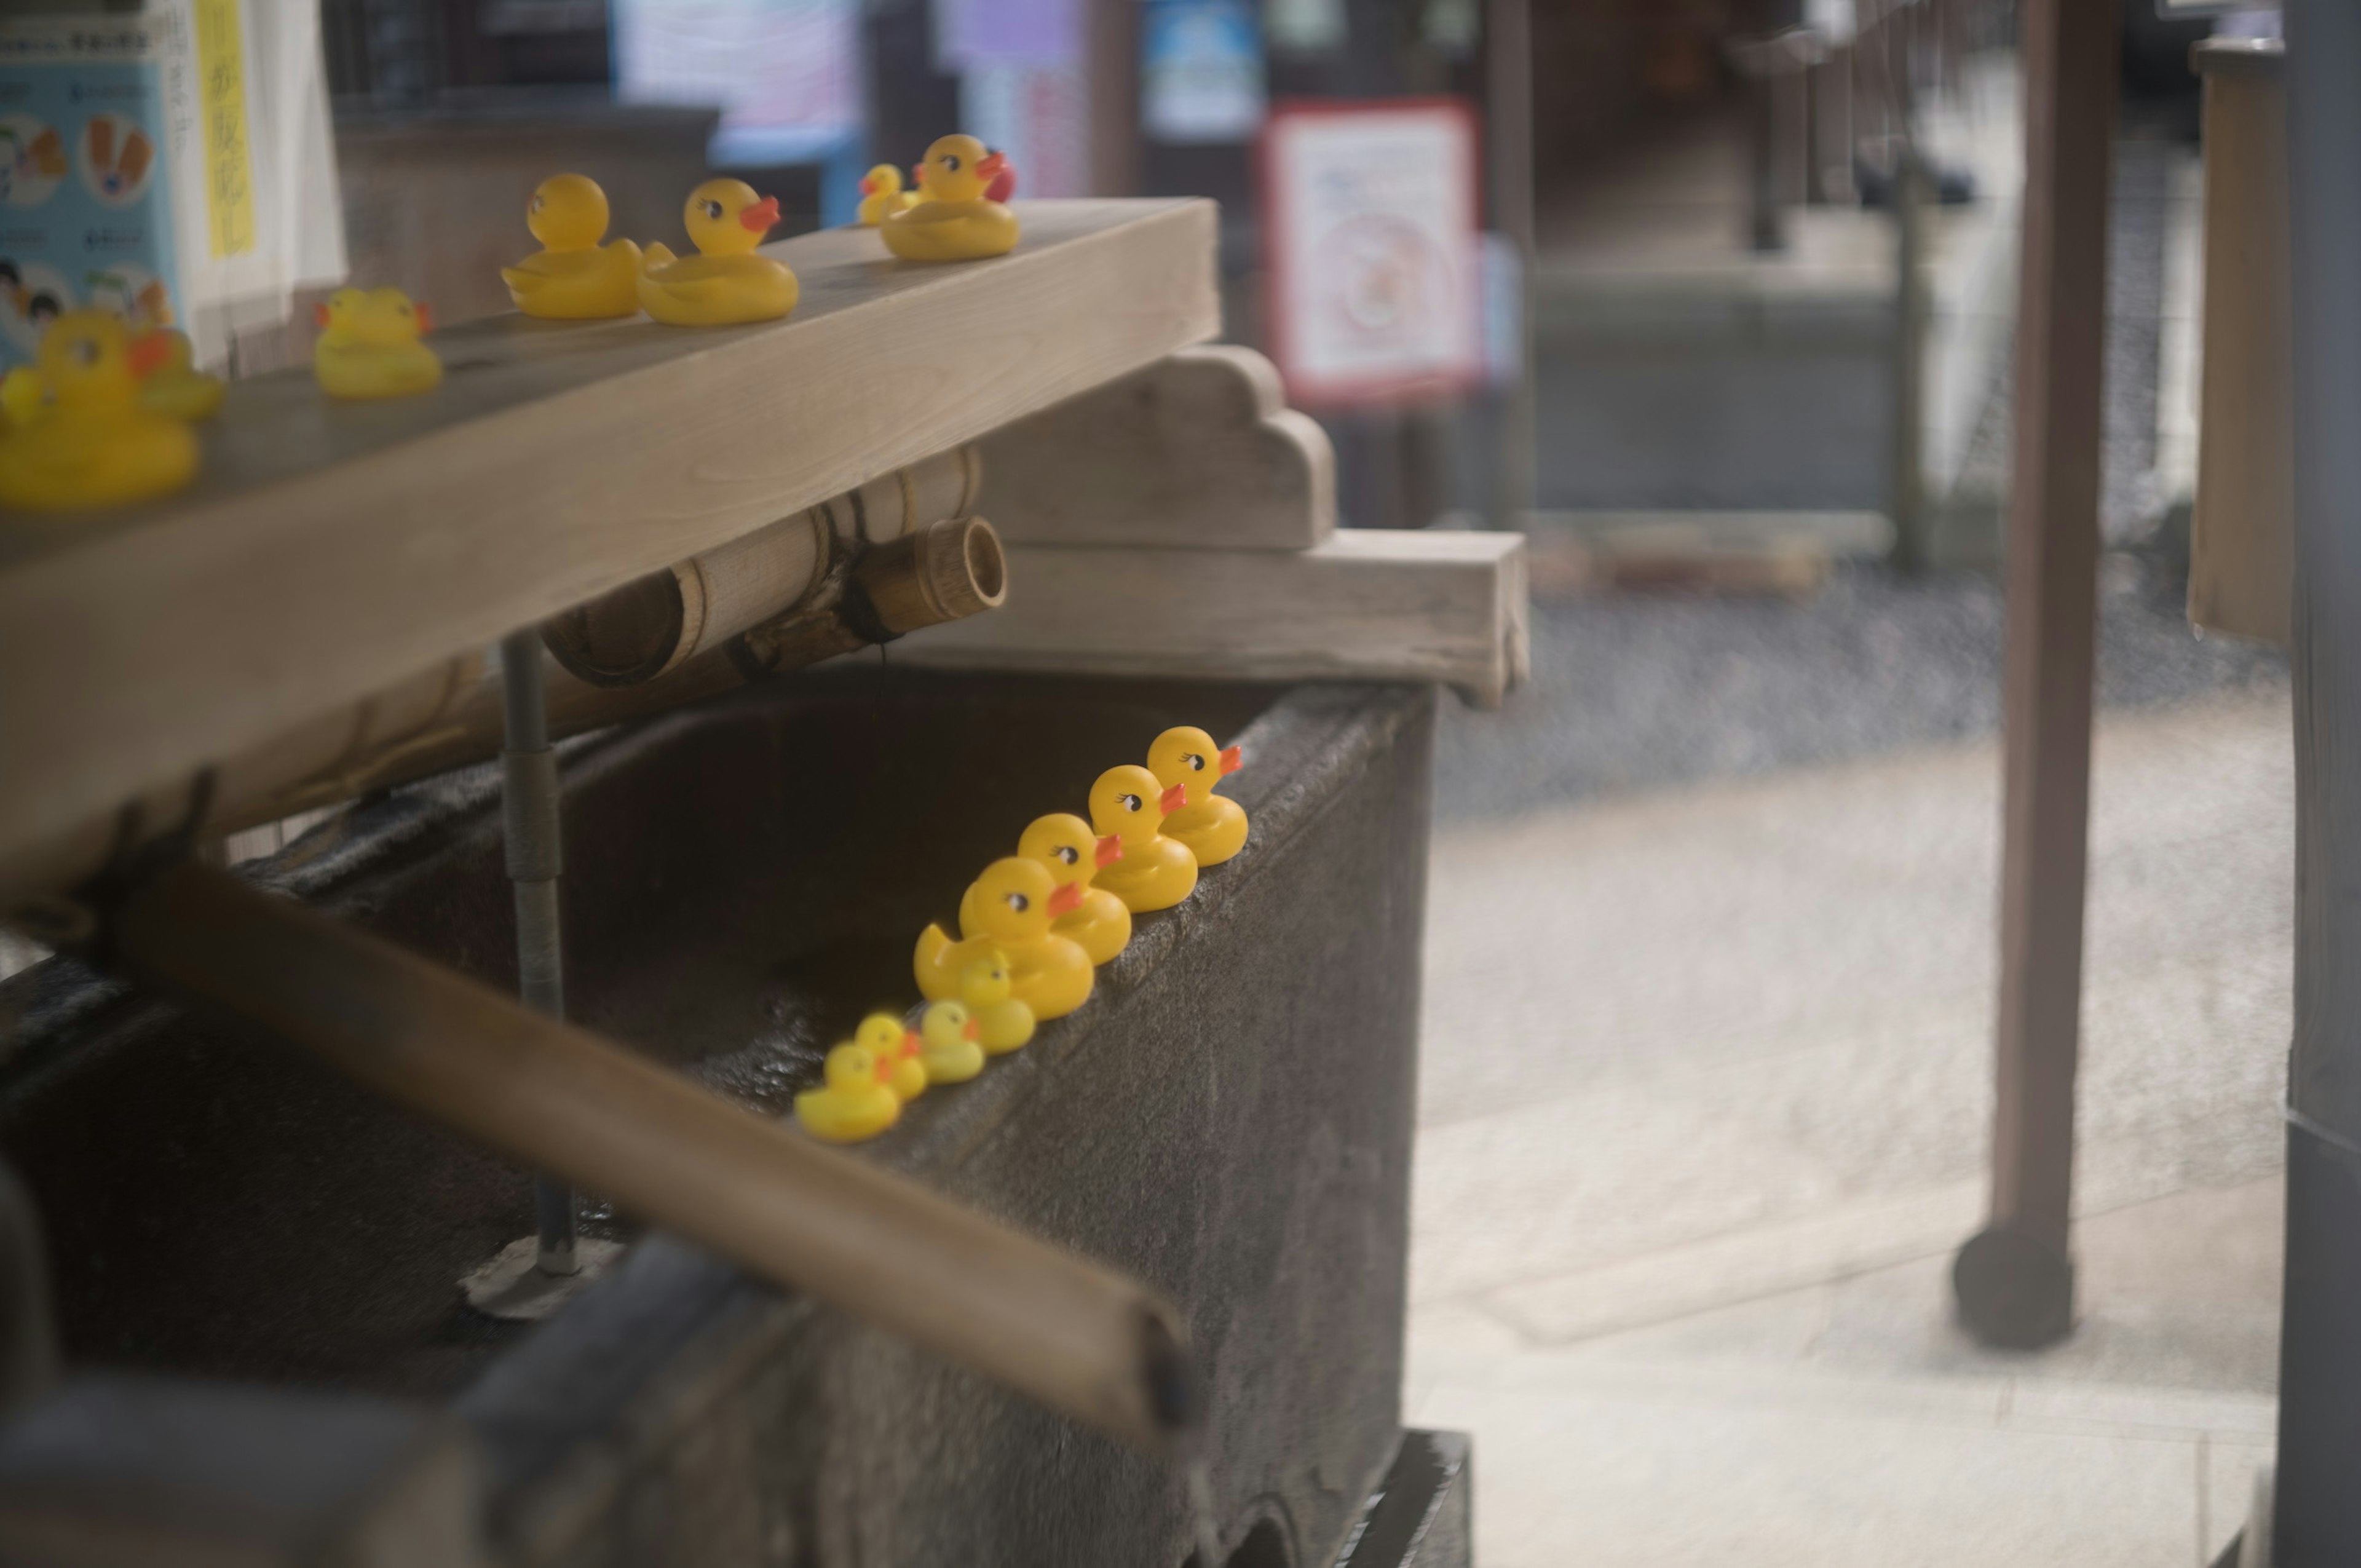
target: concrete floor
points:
(1704, 1112)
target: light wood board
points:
(1367, 604)
(330, 549)
(1197, 451)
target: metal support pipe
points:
(1071, 1333)
(2316, 1517)
(536, 859)
(2014, 1279)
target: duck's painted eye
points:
(712, 208)
(1129, 802)
(1196, 763)
(1019, 903)
(950, 161)
(1069, 854)
(539, 202)
(84, 352)
(402, 310)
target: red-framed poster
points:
(1371, 263)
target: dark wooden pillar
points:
(2317, 1509)
(2014, 1279)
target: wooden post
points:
(2316, 1512)
(2014, 1279)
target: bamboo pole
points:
(1055, 1327)
(451, 715)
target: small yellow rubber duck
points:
(573, 277)
(1015, 902)
(950, 1043)
(854, 1103)
(369, 346)
(1156, 873)
(881, 194)
(953, 219)
(726, 283)
(987, 988)
(1098, 924)
(895, 1049)
(84, 440)
(1212, 827)
(176, 386)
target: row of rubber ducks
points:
(102, 416)
(1033, 926)
(956, 214)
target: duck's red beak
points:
(763, 216)
(320, 313)
(1233, 760)
(1110, 850)
(991, 165)
(885, 1070)
(910, 1042)
(971, 1031)
(147, 353)
(917, 174)
(424, 313)
(1066, 900)
(1173, 799)
(868, 186)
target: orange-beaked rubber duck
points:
(725, 284)
(1213, 829)
(573, 277)
(954, 218)
(1015, 902)
(1155, 872)
(79, 435)
(369, 346)
(1100, 924)
(896, 1048)
(176, 386)
(882, 193)
(854, 1103)
(951, 1042)
(1003, 1023)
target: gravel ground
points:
(1633, 692)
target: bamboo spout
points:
(649, 627)
(1068, 1333)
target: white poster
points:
(785, 73)
(1375, 273)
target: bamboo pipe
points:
(1055, 1327)
(655, 625)
(451, 715)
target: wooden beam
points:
(1367, 604)
(2014, 1280)
(1199, 450)
(331, 550)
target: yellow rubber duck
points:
(1014, 902)
(1156, 873)
(987, 990)
(176, 386)
(854, 1103)
(369, 346)
(726, 283)
(85, 441)
(896, 1048)
(573, 277)
(1098, 924)
(881, 194)
(954, 219)
(23, 395)
(950, 1043)
(1212, 827)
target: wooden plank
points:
(2014, 1280)
(1197, 451)
(2242, 530)
(329, 551)
(1367, 604)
